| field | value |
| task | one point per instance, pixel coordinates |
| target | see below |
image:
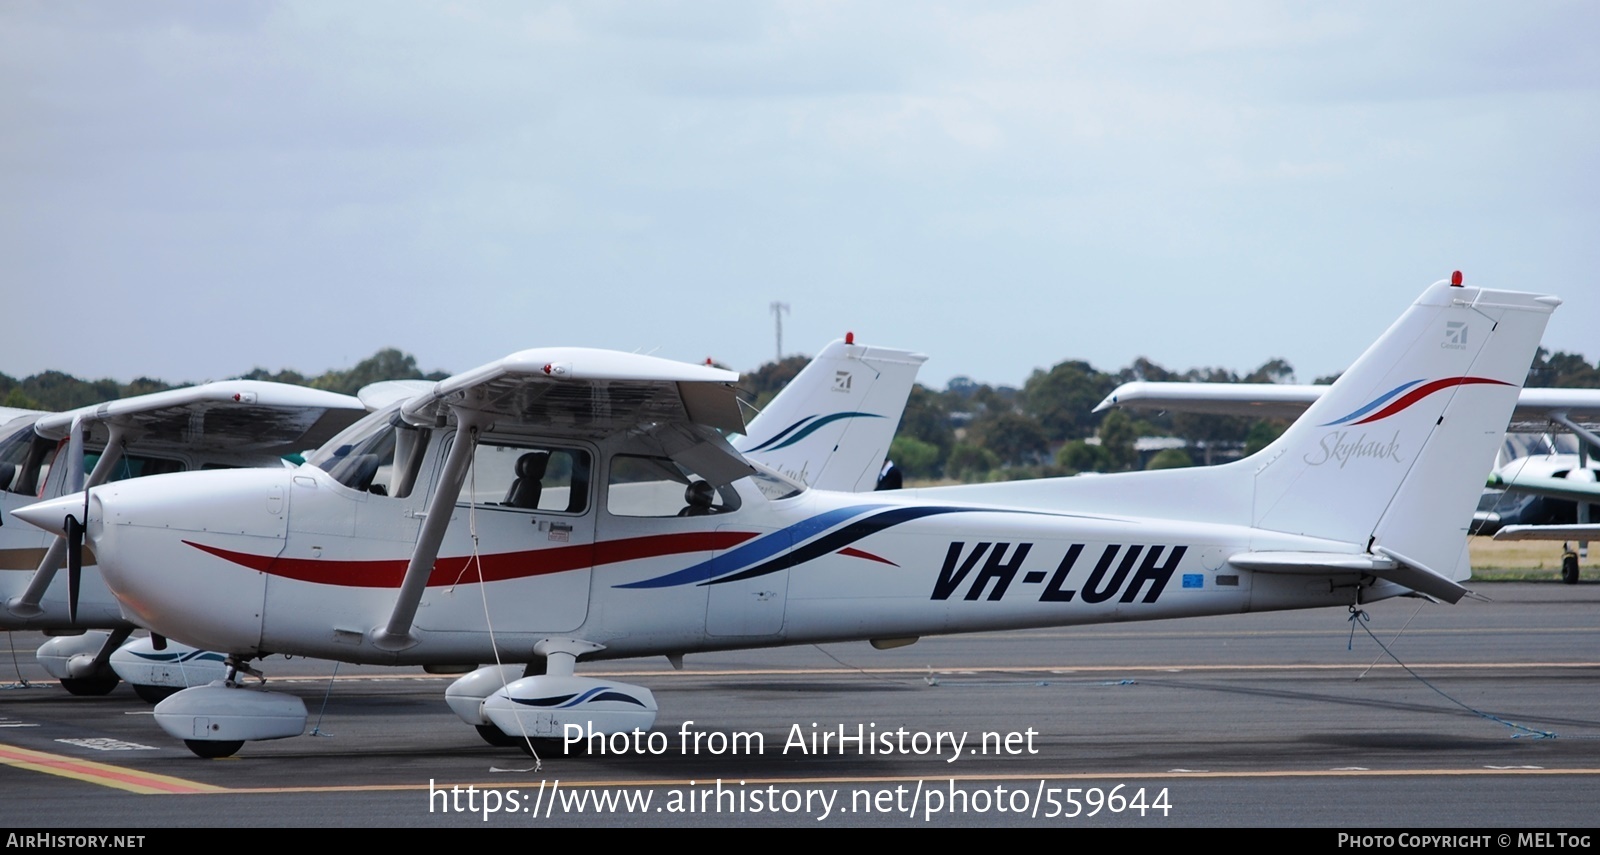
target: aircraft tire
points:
(90, 686)
(214, 750)
(497, 737)
(154, 694)
(1569, 570)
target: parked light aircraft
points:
(832, 424)
(217, 425)
(1543, 496)
(650, 535)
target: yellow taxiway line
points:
(104, 774)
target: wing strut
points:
(1588, 436)
(396, 635)
(26, 604)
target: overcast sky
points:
(189, 190)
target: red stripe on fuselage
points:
(388, 573)
(1424, 391)
(857, 553)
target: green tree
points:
(16, 398)
(1061, 400)
(763, 384)
(927, 418)
(1080, 456)
(386, 364)
(1012, 437)
(969, 463)
(1169, 458)
(1262, 434)
(915, 458)
(1116, 440)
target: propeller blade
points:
(74, 564)
(158, 641)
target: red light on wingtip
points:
(237, 397)
(709, 362)
(1455, 279)
(849, 338)
(547, 368)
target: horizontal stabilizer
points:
(1394, 568)
(1311, 563)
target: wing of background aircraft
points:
(1534, 411)
(228, 424)
(378, 395)
(1575, 489)
(239, 415)
(9, 413)
(831, 427)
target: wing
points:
(1576, 489)
(253, 416)
(586, 392)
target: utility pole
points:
(778, 311)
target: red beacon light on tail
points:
(1455, 279)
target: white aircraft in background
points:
(218, 425)
(1530, 496)
(648, 534)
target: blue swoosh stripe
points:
(819, 423)
(781, 434)
(1376, 403)
(759, 549)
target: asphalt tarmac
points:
(1283, 719)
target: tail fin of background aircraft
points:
(1394, 454)
(832, 425)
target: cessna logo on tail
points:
(1000, 563)
(1455, 335)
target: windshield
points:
(355, 456)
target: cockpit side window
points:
(25, 459)
(526, 477)
(641, 486)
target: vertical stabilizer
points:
(1391, 456)
(832, 425)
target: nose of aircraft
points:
(51, 514)
(157, 543)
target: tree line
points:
(968, 432)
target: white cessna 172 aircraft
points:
(216, 425)
(831, 425)
(647, 534)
